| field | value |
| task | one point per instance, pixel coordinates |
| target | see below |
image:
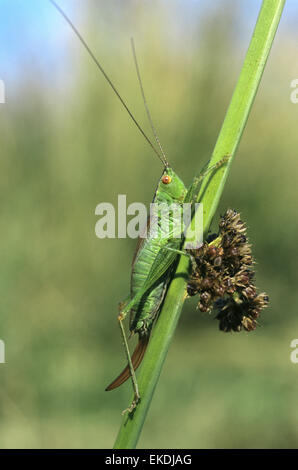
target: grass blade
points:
(210, 193)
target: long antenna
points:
(82, 40)
(146, 104)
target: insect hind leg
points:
(136, 398)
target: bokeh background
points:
(67, 145)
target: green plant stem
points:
(210, 193)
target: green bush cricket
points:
(157, 253)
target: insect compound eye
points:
(166, 179)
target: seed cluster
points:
(223, 276)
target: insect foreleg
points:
(192, 192)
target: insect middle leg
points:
(182, 253)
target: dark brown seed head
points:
(249, 292)
(212, 251)
(217, 261)
(206, 283)
(223, 276)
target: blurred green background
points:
(67, 145)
